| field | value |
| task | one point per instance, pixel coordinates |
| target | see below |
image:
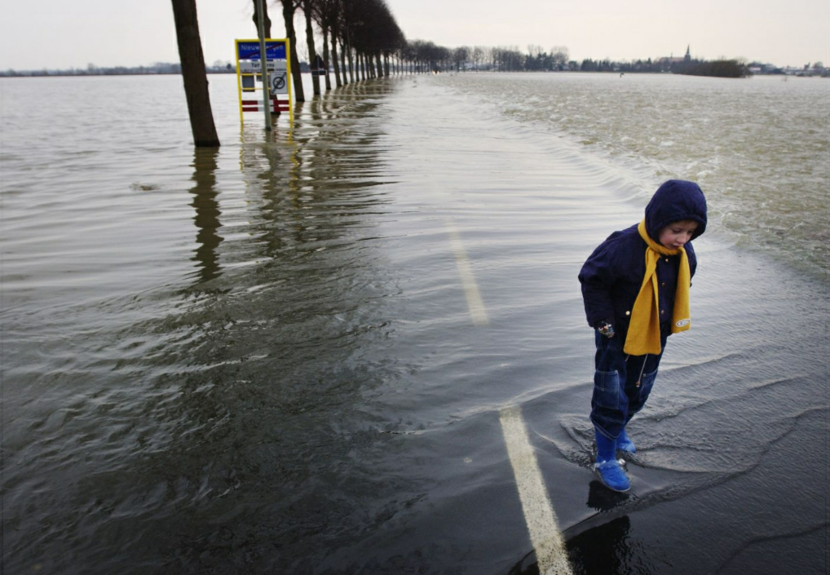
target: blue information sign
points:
(250, 50)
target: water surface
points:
(262, 358)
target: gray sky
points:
(68, 34)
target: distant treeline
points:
(92, 70)
(421, 56)
(426, 57)
(418, 56)
(717, 68)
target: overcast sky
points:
(60, 34)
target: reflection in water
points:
(207, 212)
(604, 550)
(603, 499)
(608, 549)
(229, 435)
(264, 409)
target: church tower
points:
(688, 57)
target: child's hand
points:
(607, 330)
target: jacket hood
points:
(674, 201)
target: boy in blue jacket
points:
(635, 286)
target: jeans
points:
(622, 384)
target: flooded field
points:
(308, 351)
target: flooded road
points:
(308, 351)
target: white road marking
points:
(468, 280)
(539, 516)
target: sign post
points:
(275, 76)
(263, 58)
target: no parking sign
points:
(279, 77)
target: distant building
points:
(816, 69)
(671, 60)
(762, 68)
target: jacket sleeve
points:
(597, 278)
(690, 253)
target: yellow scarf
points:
(644, 330)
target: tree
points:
(460, 56)
(477, 55)
(560, 56)
(718, 68)
(267, 23)
(325, 14)
(307, 7)
(193, 74)
(370, 31)
(288, 9)
(362, 30)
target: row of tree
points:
(359, 39)
(717, 68)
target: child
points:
(636, 292)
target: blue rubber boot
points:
(624, 444)
(610, 472)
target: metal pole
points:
(266, 87)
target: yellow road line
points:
(468, 280)
(539, 516)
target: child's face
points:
(676, 234)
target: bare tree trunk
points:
(326, 56)
(312, 51)
(379, 65)
(343, 68)
(351, 65)
(288, 8)
(267, 22)
(194, 74)
(334, 60)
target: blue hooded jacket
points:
(612, 275)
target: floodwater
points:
(294, 354)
